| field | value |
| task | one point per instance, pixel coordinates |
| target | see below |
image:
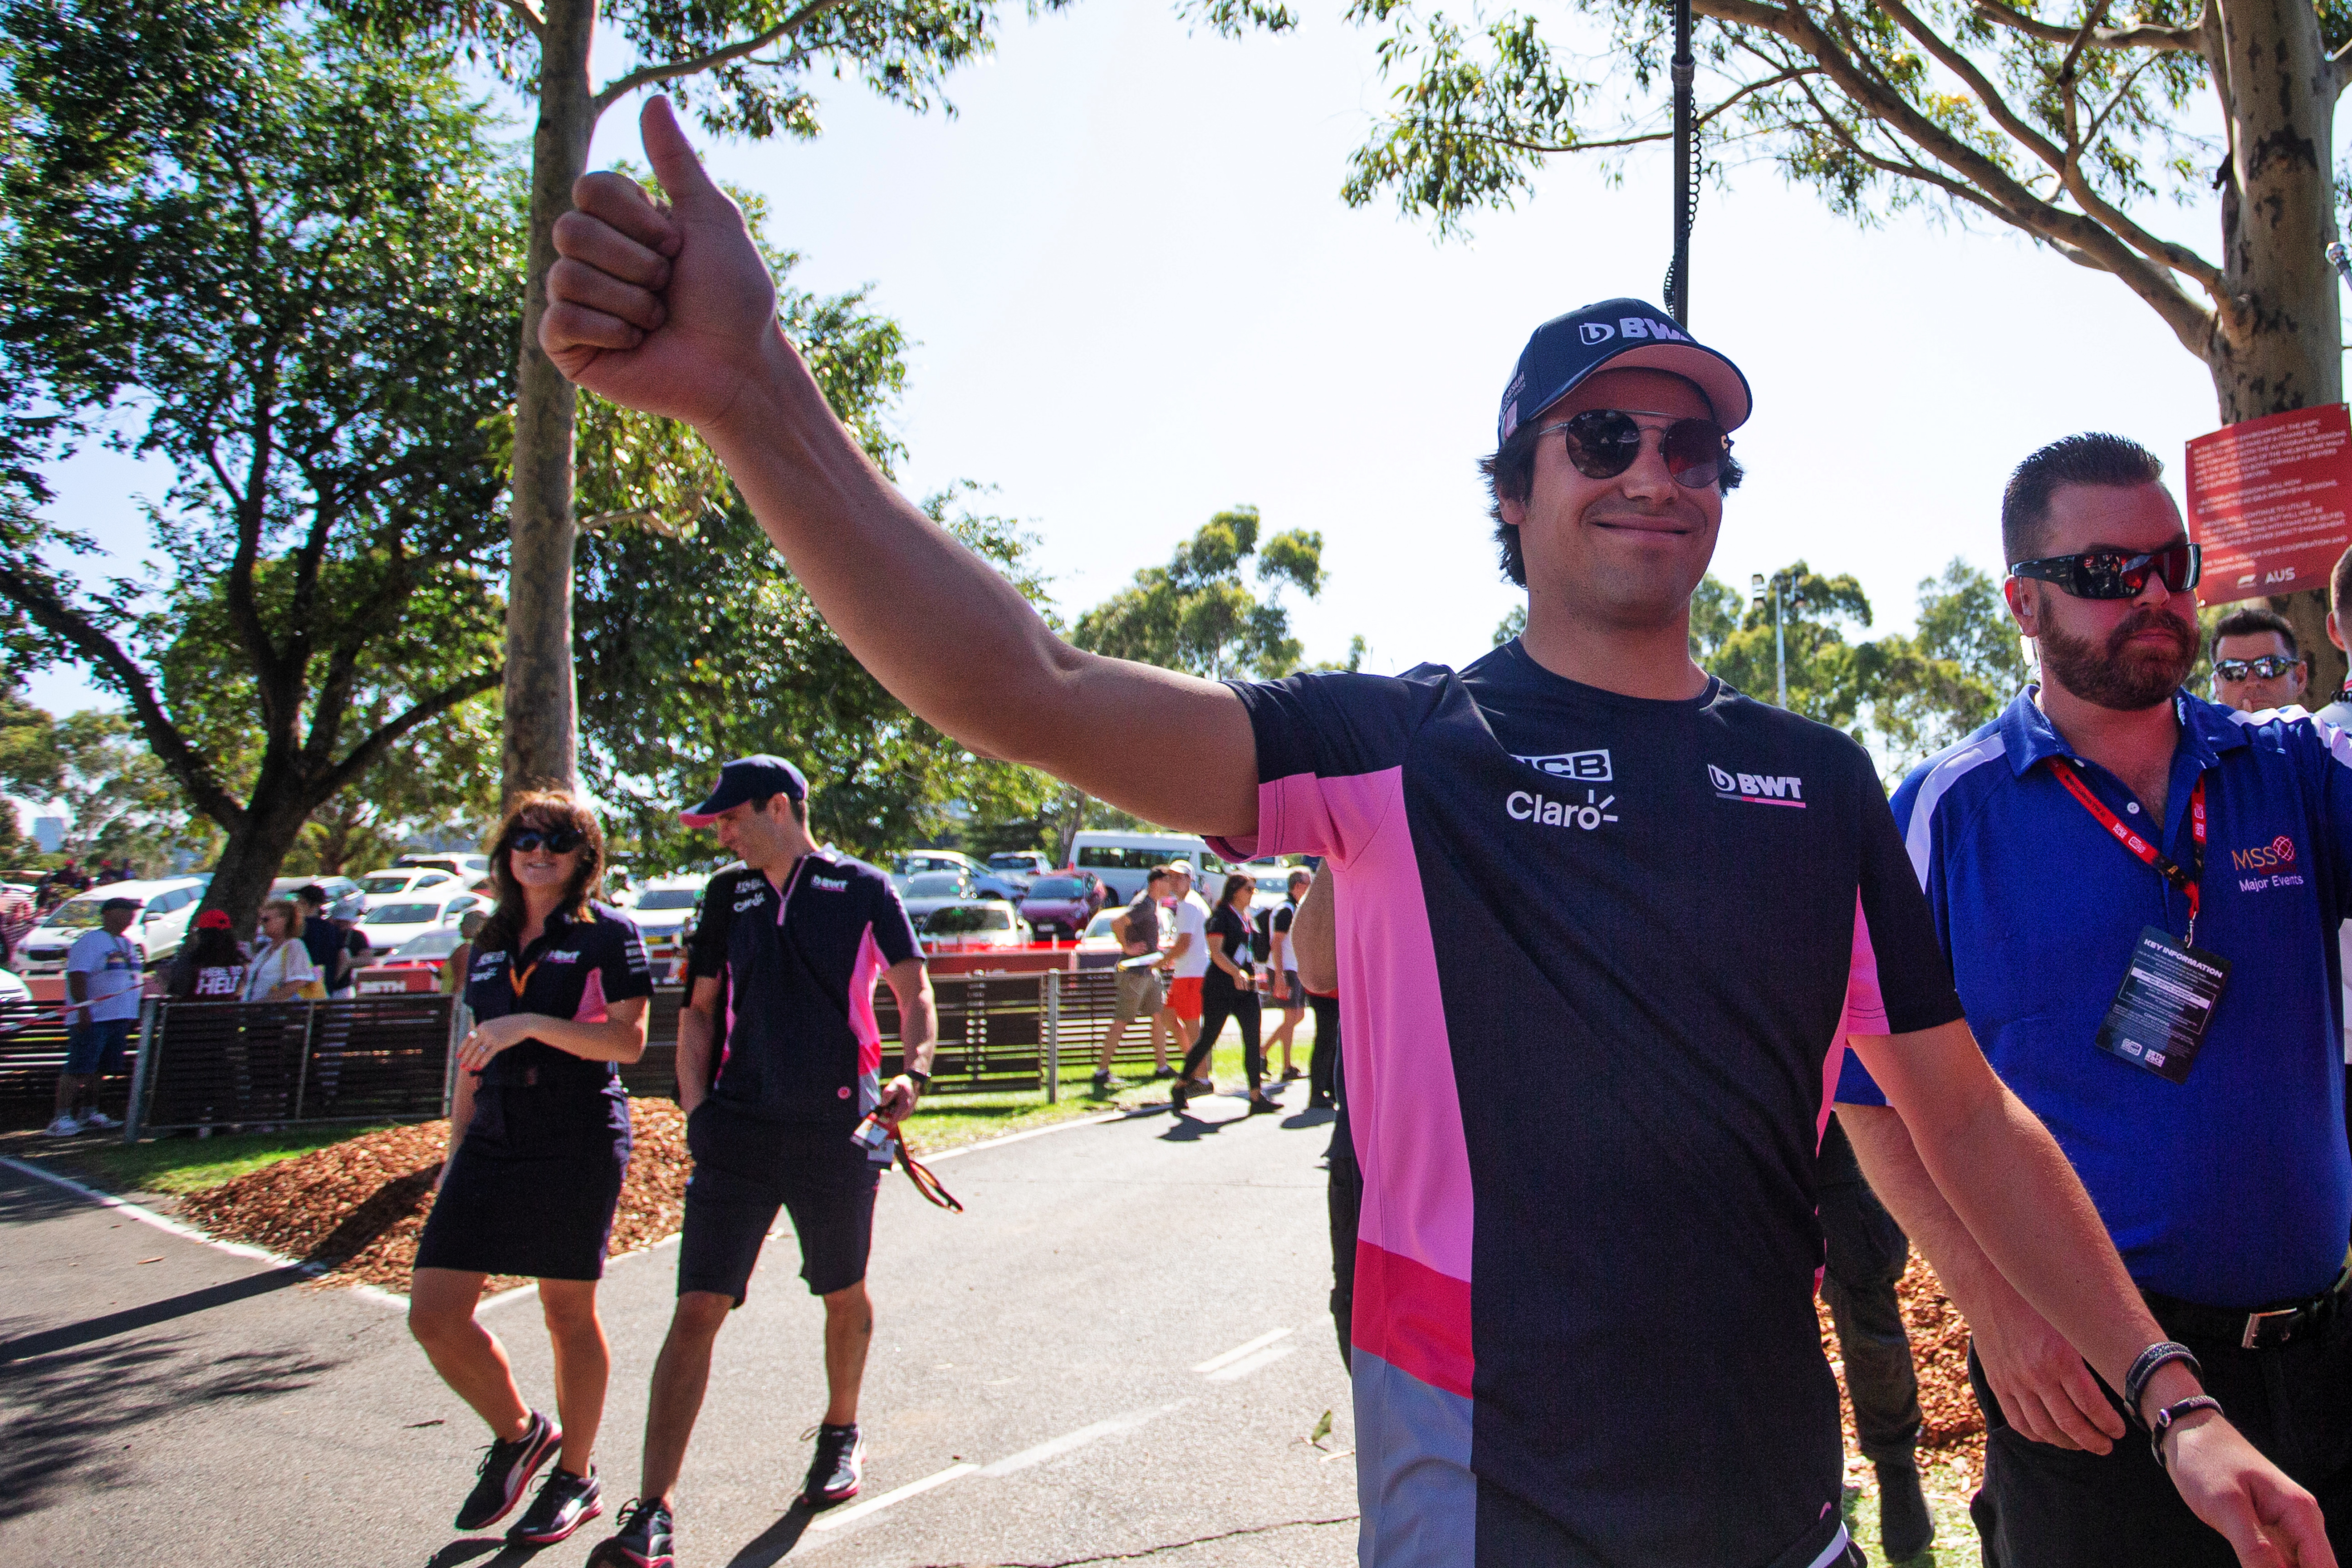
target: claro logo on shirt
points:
(1760, 789)
(1590, 813)
(752, 900)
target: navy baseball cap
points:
(1623, 334)
(754, 777)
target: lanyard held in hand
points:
(2187, 882)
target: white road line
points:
(962, 1149)
(1250, 1363)
(1053, 1448)
(876, 1505)
(189, 1232)
(1234, 1354)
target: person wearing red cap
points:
(210, 968)
(1581, 1336)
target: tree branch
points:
(2144, 35)
(649, 75)
(364, 755)
(41, 603)
(528, 15)
(2342, 61)
(1700, 122)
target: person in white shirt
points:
(283, 967)
(102, 982)
(1188, 960)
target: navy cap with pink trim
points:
(1624, 334)
(754, 777)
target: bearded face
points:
(2139, 661)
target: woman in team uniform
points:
(538, 1144)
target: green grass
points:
(184, 1165)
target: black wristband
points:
(922, 1079)
(2170, 1414)
(2144, 1368)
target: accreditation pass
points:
(2165, 1005)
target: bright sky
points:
(1135, 297)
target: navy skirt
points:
(534, 1185)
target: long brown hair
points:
(541, 808)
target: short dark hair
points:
(2253, 621)
(1157, 874)
(1510, 474)
(2093, 458)
(312, 893)
(799, 808)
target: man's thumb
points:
(673, 157)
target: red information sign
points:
(2271, 501)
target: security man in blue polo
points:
(2139, 891)
(778, 1066)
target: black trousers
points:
(1346, 1197)
(1867, 1252)
(1323, 1067)
(2055, 1508)
(1216, 1006)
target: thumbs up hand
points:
(666, 309)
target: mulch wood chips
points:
(1952, 1428)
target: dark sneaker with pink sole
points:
(565, 1503)
(642, 1542)
(506, 1471)
(837, 1467)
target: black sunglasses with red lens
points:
(2112, 575)
(1604, 442)
(559, 840)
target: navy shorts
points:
(746, 1168)
(96, 1046)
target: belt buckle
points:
(2254, 1325)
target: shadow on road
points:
(1315, 1115)
(69, 1418)
(774, 1543)
(1189, 1129)
(147, 1316)
(466, 1548)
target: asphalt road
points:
(1120, 1350)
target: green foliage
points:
(1735, 641)
(1966, 659)
(1199, 615)
(1516, 623)
(119, 803)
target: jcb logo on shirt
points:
(1584, 767)
(1758, 789)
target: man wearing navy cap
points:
(779, 1061)
(1581, 1338)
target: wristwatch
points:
(922, 1079)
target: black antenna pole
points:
(1685, 71)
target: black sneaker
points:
(505, 1473)
(1102, 1078)
(1177, 1095)
(1160, 1072)
(836, 1469)
(565, 1503)
(1906, 1528)
(642, 1542)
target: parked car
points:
(391, 922)
(929, 890)
(1030, 863)
(918, 862)
(1060, 904)
(397, 882)
(471, 869)
(1124, 859)
(663, 909)
(415, 966)
(166, 908)
(968, 925)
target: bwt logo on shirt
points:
(1632, 327)
(1522, 807)
(2279, 851)
(1760, 789)
(1584, 767)
(830, 884)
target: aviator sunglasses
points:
(2112, 575)
(2270, 666)
(559, 840)
(1604, 442)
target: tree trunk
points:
(257, 847)
(2276, 339)
(541, 705)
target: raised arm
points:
(672, 310)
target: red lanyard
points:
(2187, 882)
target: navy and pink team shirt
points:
(1599, 958)
(572, 971)
(798, 966)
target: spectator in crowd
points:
(454, 968)
(2256, 666)
(1865, 1256)
(1612, 1303)
(2137, 890)
(103, 984)
(18, 916)
(1141, 991)
(211, 966)
(539, 1142)
(1282, 972)
(336, 949)
(281, 970)
(1229, 990)
(1188, 966)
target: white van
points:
(1124, 859)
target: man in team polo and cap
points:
(778, 1060)
(1584, 1328)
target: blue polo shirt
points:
(2235, 1188)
